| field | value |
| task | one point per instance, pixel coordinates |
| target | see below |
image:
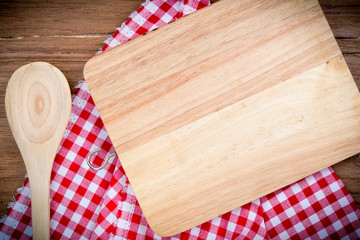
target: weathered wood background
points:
(68, 33)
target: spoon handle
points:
(40, 204)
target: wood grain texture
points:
(82, 17)
(38, 106)
(343, 16)
(211, 61)
(226, 110)
(282, 147)
(70, 44)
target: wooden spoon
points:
(38, 105)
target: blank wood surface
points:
(209, 116)
(25, 36)
(38, 106)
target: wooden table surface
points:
(68, 33)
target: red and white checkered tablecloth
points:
(89, 204)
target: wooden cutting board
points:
(224, 106)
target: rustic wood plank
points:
(349, 172)
(7, 184)
(343, 17)
(349, 45)
(6, 197)
(353, 62)
(12, 167)
(68, 54)
(71, 17)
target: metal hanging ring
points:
(105, 160)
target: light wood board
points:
(224, 106)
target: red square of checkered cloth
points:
(101, 204)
